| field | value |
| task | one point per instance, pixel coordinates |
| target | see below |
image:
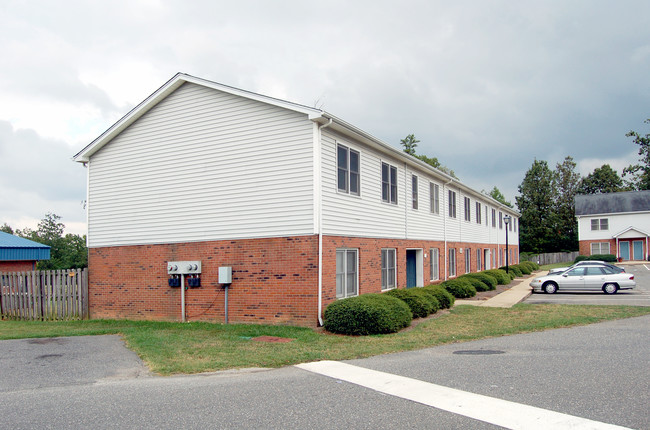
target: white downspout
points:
(318, 198)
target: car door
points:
(594, 278)
(573, 279)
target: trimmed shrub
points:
(501, 276)
(420, 306)
(476, 283)
(445, 298)
(367, 314)
(514, 269)
(489, 280)
(580, 258)
(607, 258)
(435, 304)
(523, 269)
(459, 288)
(530, 265)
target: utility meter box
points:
(183, 267)
(225, 275)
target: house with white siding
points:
(614, 223)
(304, 208)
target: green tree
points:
(640, 173)
(409, 143)
(7, 229)
(565, 182)
(536, 204)
(603, 179)
(496, 194)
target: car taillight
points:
(631, 277)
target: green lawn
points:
(170, 348)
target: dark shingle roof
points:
(630, 201)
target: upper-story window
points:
(347, 170)
(500, 220)
(468, 213)
(494, 218)
(600, 224)
(388, 183)
(478, 213)
(452, 204)
(414, 191)
(434, 191)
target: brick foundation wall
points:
(275, 281)
(584, 246)
(17, 266)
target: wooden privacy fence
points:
(44, 295)
(554, 257)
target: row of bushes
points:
(392, 311)
(385, 313)
(609, 258)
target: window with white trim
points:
(494, 218)
(468, 260)
(434, 192)
(434, 264)
(600, 248)
(468, 213)
(500, 220)
(387, 269)
(388, 183)
(452, 262)
(347, 276)
(600, 224)
(452, 204)
(347, 170)
(414, 191)
(478, 259)
(478, 213)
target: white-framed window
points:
(514, 224)
(600, 248)
(414, 191)
(468, 212)
(600, 224)
(452, 262)
(494, 218)
(434, 253)
(486, 216)
(478, 213)
(468, 260)
(388, 272)
(478, 259)
(434, 192)
(500, 220)
(452, 204)
(347, 275)
(388, 183)
(347, 170)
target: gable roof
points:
(610, 203)
(17, 248)
(319, 116)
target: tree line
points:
(66, 251)
(546, 198)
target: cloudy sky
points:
(486, 86)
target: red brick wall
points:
(275, 281)
(584, 246)
(17, 266)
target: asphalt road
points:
(639, 296)
(599, 372)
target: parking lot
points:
(639, 296)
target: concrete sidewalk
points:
(509, 297)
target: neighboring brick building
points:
(614, 223)
(20, 255)
(303, 206)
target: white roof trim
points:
(629, 229)
(170, 86)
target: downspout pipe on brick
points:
(319, 196)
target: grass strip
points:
(171, 348)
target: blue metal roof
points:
(14, 248)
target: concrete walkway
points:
(509, 297)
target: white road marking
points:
(646, 267)
(488, 409)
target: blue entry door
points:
(624, 250)
(411, 268)
(637, 250)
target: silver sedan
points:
(584, 278)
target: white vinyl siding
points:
(203, 165)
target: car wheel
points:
(550, 287)
(610, 288)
